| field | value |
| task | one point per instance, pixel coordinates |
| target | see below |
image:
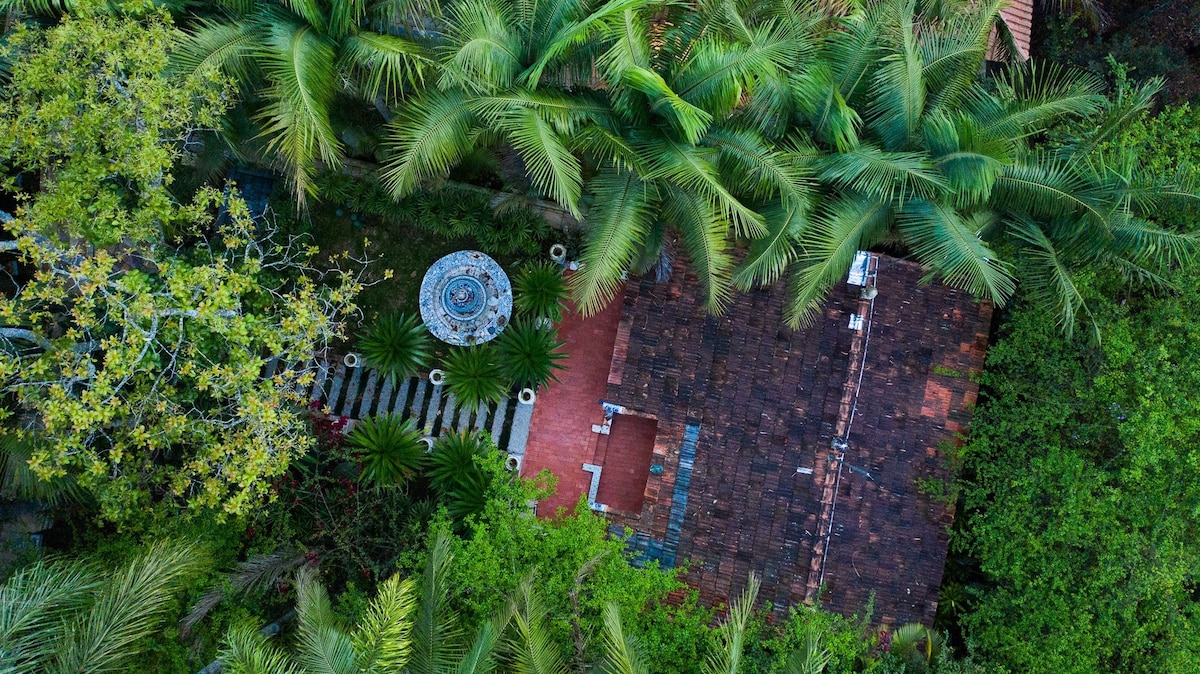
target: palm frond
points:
(727, 658)
(691, 168)
(717, 73)
(898, 90)
(548, 161)
(18, 481)
(704, 233)
(299, 64)
(484, 47)
(769, 256)
(388, 63)
(616, 227)
(258, 571)
(531, 649)
(569, 34)
(345, 16)
(969, 161)
(311, 11)
(1029, 98)
(1042, 185)
(430, 136)
(882, 175)
(35, 603)
(827, 249)
(228, 46)
(952, 55)
(1045, 276)
(245, 651)
(383, 636)
(322, 647)
(766, 172)
(854, 48)
(1128, 106)
(1142, 241)
(621, 654)
(127, 609)
(953, 248)
(435, 635)
(688, 119)
(818, 99)
(813, 659)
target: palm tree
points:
(71, 616)
(516, 74)
(389, 447)
(292, 59)
(908, 146)
(687, 151)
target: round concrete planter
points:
(526, 396)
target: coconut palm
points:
(907, 146)
(515, 74)
(686, 153)
(72, 616)
(292, 59)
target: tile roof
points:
(754, 401)
(1018, 16)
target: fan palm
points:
(70, 616)
(907, 146)
(389, 447)
(292, 60)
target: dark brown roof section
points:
(768, 402)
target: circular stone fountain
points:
(466, 298)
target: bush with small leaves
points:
(539, 290)
(474, 376)
(529, 355)
(397, 346)
(389, 447)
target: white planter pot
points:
(437, 377)
(513, 463)
(428, 440)
(558, 253)
(353, 359)
(526, 396)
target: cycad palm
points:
(70, 616)
(292, 58)
(913, 149)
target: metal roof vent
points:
(859, 269)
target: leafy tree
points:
(72, 616)
(148, 370)
(294, 59)
(91, 120)
(1081, 493)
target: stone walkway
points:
(359, 392)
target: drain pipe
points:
(842, 443)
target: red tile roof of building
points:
(1018, 16)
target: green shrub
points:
(528, 354)
(539, 289)
(389, 448)
(474, 376)
(397, 346)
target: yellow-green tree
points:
(134, 363)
